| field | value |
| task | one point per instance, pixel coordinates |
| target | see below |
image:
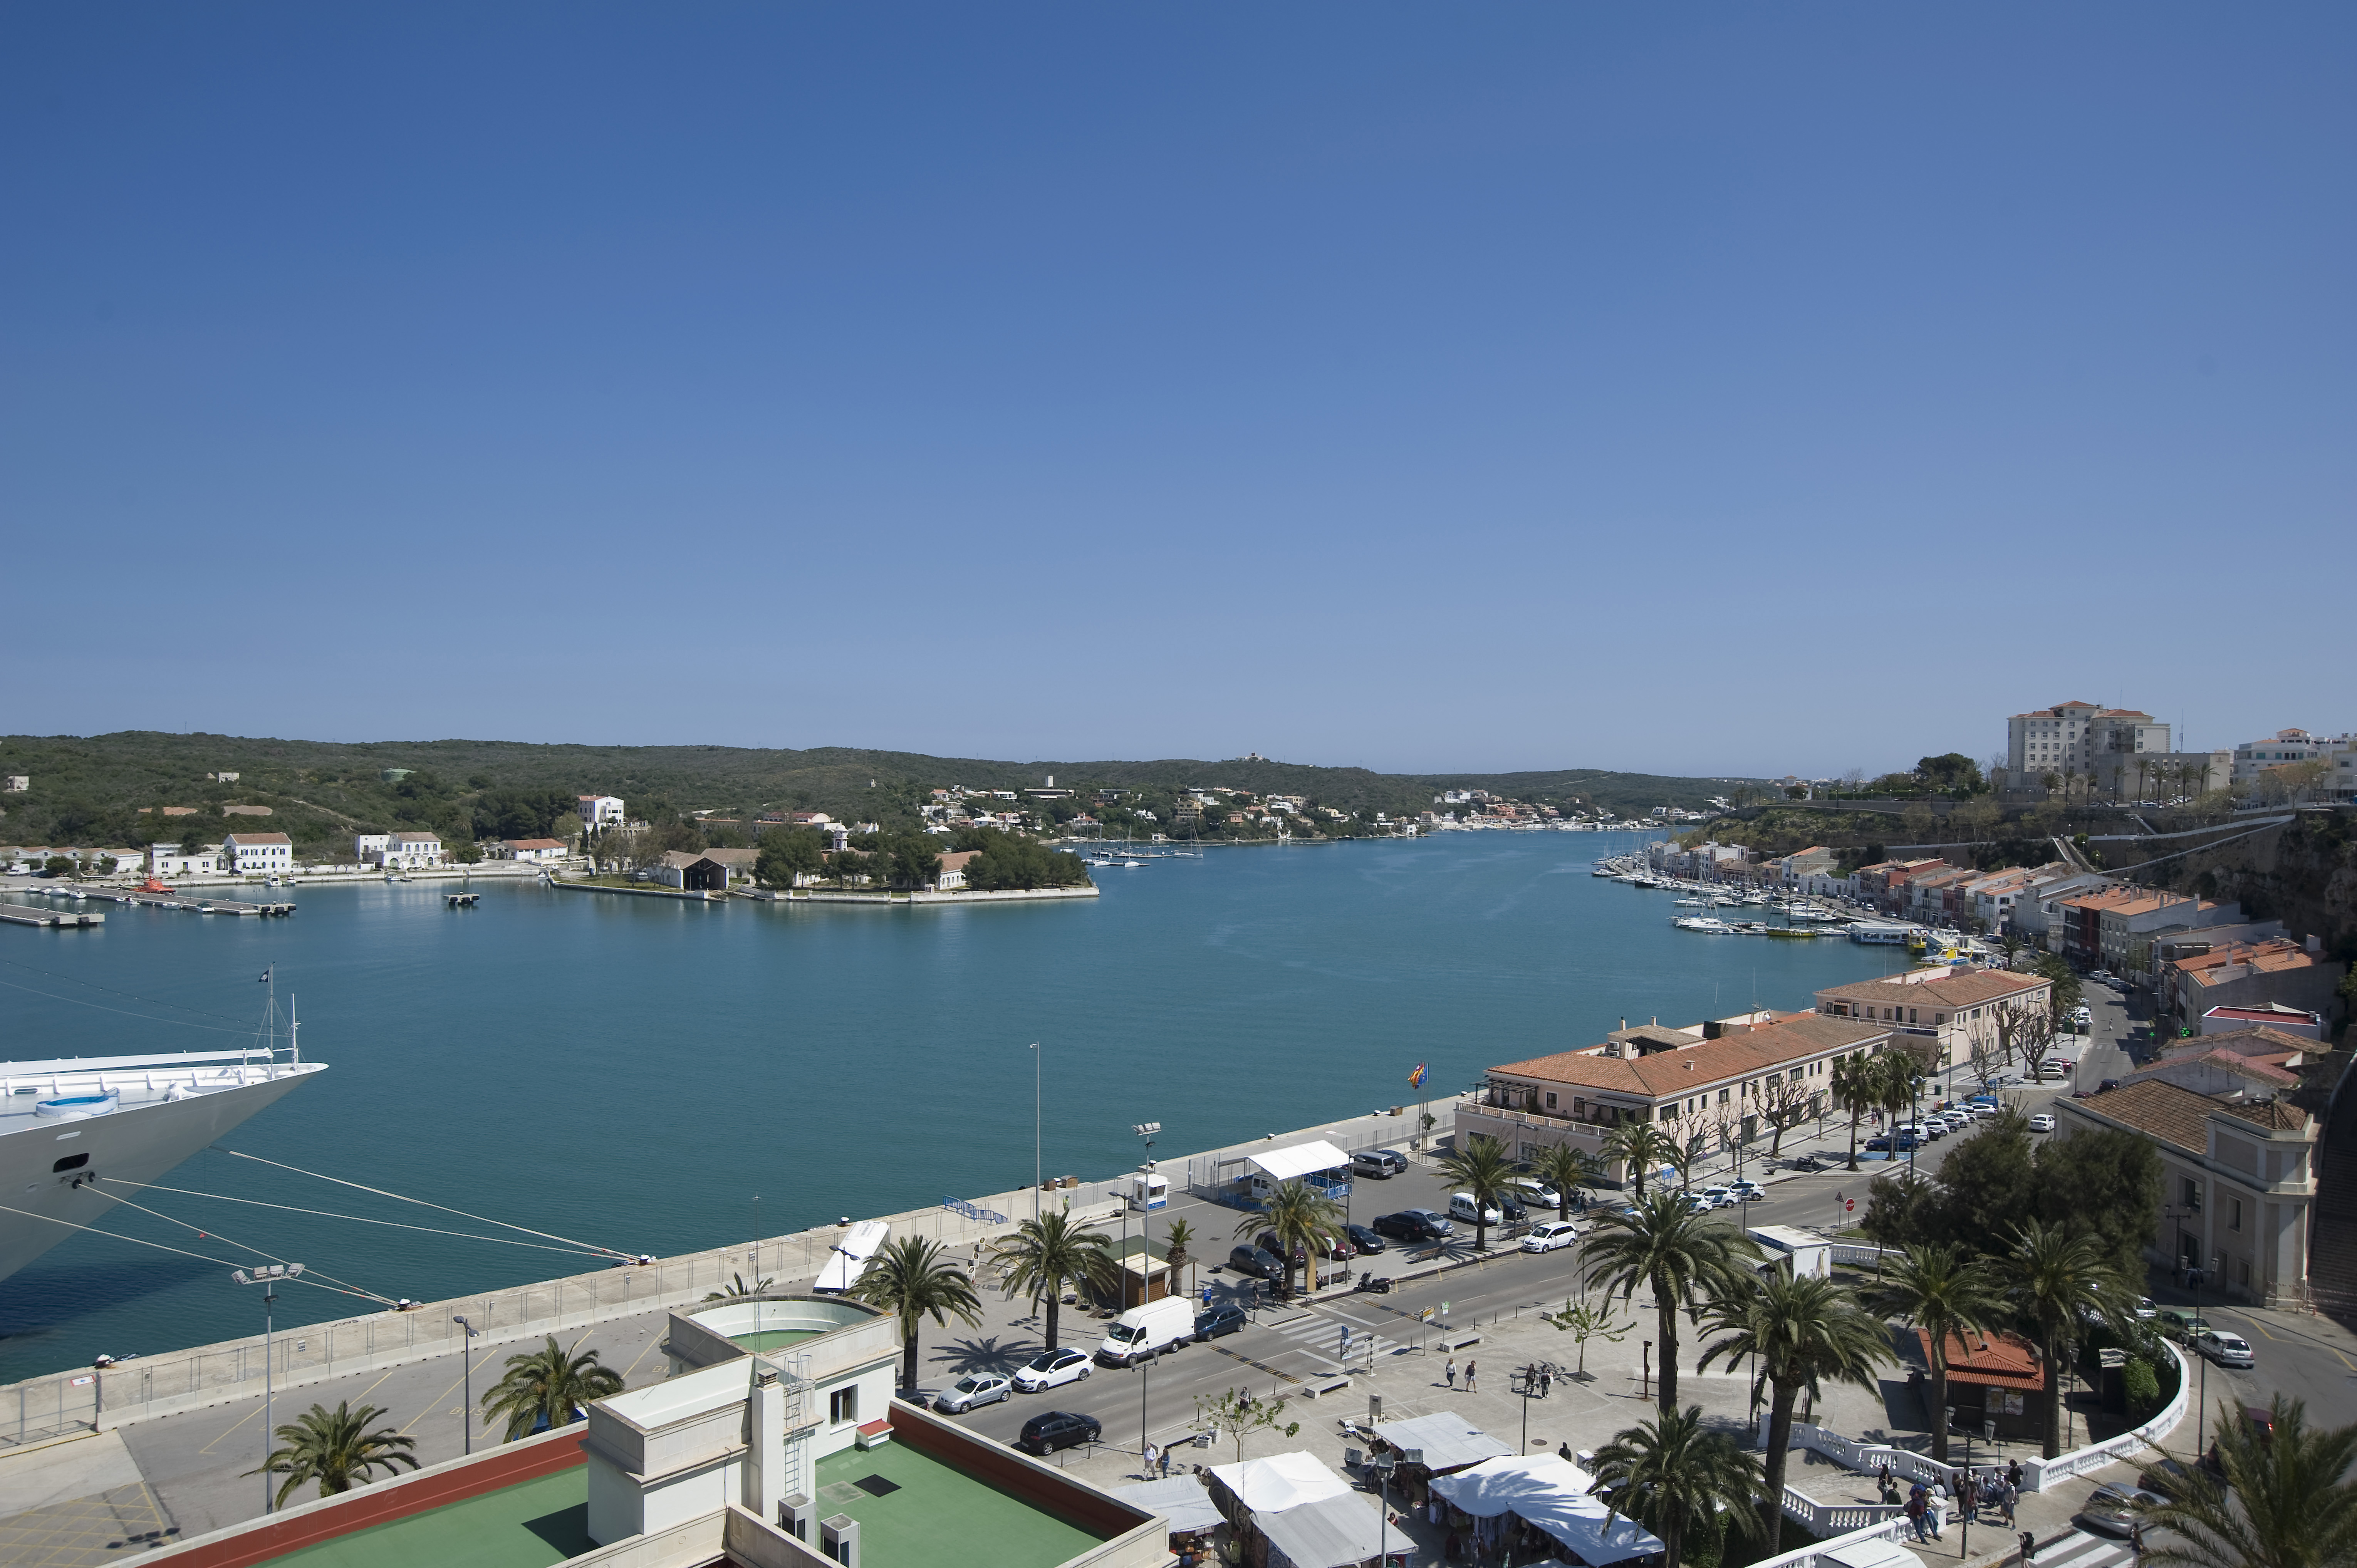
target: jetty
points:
(461, 900)
(26, 915)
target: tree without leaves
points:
(1483, 1168)
(1941, 1291)
(1673, 1476)
(1585, 1321)
(1679, 1255)
(1804, 1330)
(2287, 1500)
(1045, 1254)
(913, 1279)
(547, 1385)
(1783, 1104)
(1237, 1417)
(335, 1448)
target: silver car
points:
(2226, 1350)
(976, 1388)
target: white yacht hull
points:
(146, 1137)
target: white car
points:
(1538, 1195)
(1719, 1197)
(2042, 1122)
(1051, 1368)
(1747, 1191)
(2226, 1350)
(1548, 1235)
(1697, 1204)
(1461, 1207)
(977, 1389)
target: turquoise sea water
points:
(658, 1076)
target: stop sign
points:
(1848, 1203)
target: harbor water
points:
(659, 1076)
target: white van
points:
(1381, 1164)
(1460, 1207)
(1155, 1329)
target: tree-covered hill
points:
(88, 790)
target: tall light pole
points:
(267, 1278)
(1039, 1171)
(466, 1384)
(1145, 1130)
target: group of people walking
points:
(1926, 1506)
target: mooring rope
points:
(248, 1246)
(479, 1218)
(304, 1279)
(355, 1218)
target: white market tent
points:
(1333, 1532)
(1279, 1482)
(1449, 1442)
(1552, 1493)
(1284, 1165)
(1180, 1499)
(850, 1256)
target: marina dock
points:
(26, 915)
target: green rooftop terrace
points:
(532, 1524)
(915, 1510)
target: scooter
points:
(1377, 1284)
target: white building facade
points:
(2076, 739)
(171, 860)
(257, 855)
(600, 811)
(410, 850)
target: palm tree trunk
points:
(1665, 1309)
(1781, 1400)
(1938, 1414)
(1853, 1140)
(1673, 1541)
(2054, 1357)
(1055, 1300)
(909, 1363)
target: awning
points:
(1284, 1165)
(1279, 1482)
(1181, 1500)
(1551, 1493)
(1449, 1441)
(1332, 1532)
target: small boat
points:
(1709, 925)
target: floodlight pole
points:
(267, 1278)
(467, 1385)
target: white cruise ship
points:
(134, 1117)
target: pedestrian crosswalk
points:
(1320, 1334)
(2080, 1550)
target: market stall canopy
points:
(1279, 1482)
(1284, 1165)
(1551, 1492)
(1328, 1533)
(1181, 1500)
(1449, 1441)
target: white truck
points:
(1144, 1332)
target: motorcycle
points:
(1374, 1284)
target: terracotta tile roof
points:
(1973, 988)
(536, 843)
(2273, 1114)
(2261, 1042)
(262, 838)
(2273, 956)
(2167, 1111)
(1999, 1362)
(2252, 1068)
(1667, 1074)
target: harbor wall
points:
(86, 1400)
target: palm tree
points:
(1045, 1254)
(335, 1448)
(1483, 1168)
(1176, 1236)
(2287, 1501)
(1895, 1073)
(913, 1279)
(736, 1288)
(547, 1386)
(2053, 1276)
(1855, 1091)
(1639, 1146)
(1804, 1330)
(1565, 1168)
(1671, 1477)
(1942, 1293)
(1306, 1221)
(1677, 1254)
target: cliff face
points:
(2303, 873)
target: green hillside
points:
(89, 791)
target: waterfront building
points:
(1884, 883)
(368, 849)
(598, 811)
(1730, 1073)
(532, 849)
(171, 860)
(407, 849)
(250, 855)
(2238, 1173)
(1941, 1014)
(709, 870)
(952, 873)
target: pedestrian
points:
(1914, 1511)
(1151, 1454)
(1469, 1366)
(2007, 1495)
(2028, 1548)
(2013, 1475)
(1564, 1453)
(2136, 1544)
(1450, 1371)
(1968, 1496)
(1938, 1508)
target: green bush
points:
(2142, 1385)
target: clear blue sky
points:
(1710, 390)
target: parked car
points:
(1266, 1241)
(1051, 1368)
(1697, 1204)
(1549, 1234)
(1256, 1261)
(2146, 1309)
(1747, 1191)
(1902, 1141)
(2042, 1122)
(1805, 1163)
(1381, 1164)
(1877, 1145)
(1043, 1434)
(1364, 1238)
(972, 1390)
(1413, 1225)
(1227, 1317)
(2226, 1350)
(1532, 1190)
(2115, 1508)
(1718, 1197)
(1460, 1207)
(2182, 1323)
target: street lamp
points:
(466, 1384)
(2194, 1271)
(1145, 1130)
(1039, 1171)
(267, 1278)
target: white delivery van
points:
(1144, 1332)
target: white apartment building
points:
(250, 855)
(2340, 752)
(600, 811)
(2077, 737)
(410, 850)
(368, 849)
(171, 860)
